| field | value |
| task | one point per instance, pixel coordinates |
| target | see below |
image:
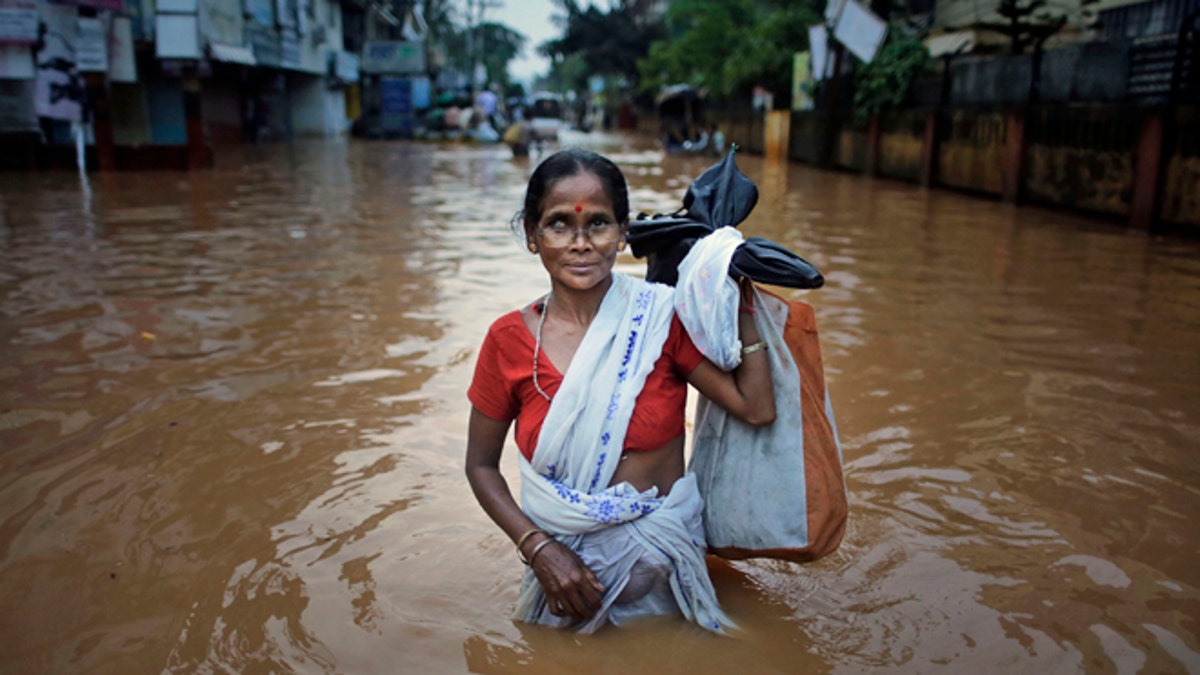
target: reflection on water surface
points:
(233, 414)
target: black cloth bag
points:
(721, 196)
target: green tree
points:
(595, 42)
(498, 45)
(730, 46)
(495, 43)
(884, 83)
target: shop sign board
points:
(91, 46)
(860, 30)
(391, 57)
(18, 22)
(396, 109)
(343, 66)
(177, 36)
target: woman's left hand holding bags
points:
(571, 589)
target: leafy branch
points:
(884, 83)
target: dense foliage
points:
(450, 33)
(496, 45)
(886, 82)
(601, 43)
(730, 46)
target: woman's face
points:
(578, 202)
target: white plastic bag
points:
(706, 298)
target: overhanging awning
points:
(950, 44)
(231, 54)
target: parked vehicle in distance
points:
(545, 116)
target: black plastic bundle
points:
(721, 196)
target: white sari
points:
(646, 550)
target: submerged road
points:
(233, 413)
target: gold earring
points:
(532, 247)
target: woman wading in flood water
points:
(595, 376)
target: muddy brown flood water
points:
(232, 421)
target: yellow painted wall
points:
(1181, 191)
(1086, 179)
(900, 155)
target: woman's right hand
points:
(571, 588)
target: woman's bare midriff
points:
(648, 468)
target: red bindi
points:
(579, 208)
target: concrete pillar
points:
(102, 123)
(199, 155)
(779, 126)
(929, 150)
(1147, 170)
(1014, 157)
(874, 133)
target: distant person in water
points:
(595, 375)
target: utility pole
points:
(475, 12)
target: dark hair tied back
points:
(563, 164)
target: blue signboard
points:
(421, 92)
(396, 105)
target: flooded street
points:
(233, 417)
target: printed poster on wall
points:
(91, 45)
(59, 92)
(123, 67)
(18, 22)
(801, 76)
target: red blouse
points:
(503, 385)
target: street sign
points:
(860, 30)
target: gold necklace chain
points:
(537, 347)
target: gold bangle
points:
(538, 549)
(525, 537)
(750, 349)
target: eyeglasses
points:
(559, 235)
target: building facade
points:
(134, 74)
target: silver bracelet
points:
(538, 549)
(750, 349)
